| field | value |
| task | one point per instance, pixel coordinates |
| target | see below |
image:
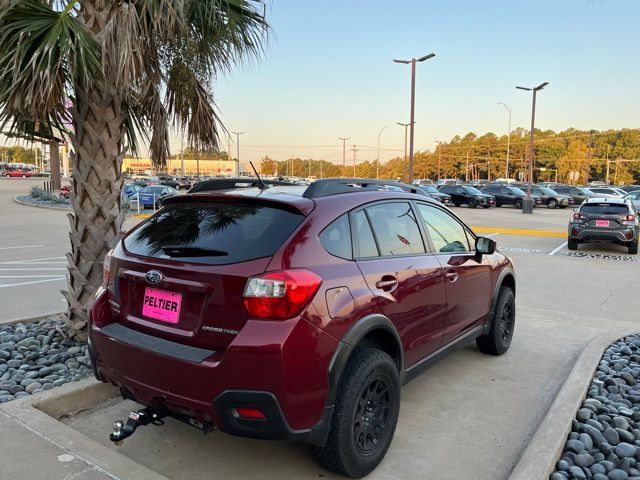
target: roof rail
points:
(232, 183)
(334, 186)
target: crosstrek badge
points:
(161, 305)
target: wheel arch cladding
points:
(375, 331)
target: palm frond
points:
(41, 53)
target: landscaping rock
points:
(33, 356)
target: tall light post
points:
(527, 206)
(237, 134)
(413, 103)
(404, 159)
(508, 109)
(344, 149)
(439, 142)
(378, 159)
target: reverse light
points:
(280, 295)
(106, 268)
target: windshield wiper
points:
(178, 251)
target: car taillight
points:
(578, 216)
(106, 268)
(280, 295)
(630, 218)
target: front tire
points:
(553, 203)
(366, 414)
(498, 340)
(472, 204)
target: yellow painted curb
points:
(141, 215)
(516, 231)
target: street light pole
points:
(439, 142)
(527, 206)
(237, 134)
(413, 103)
(404, 162)
(344, 149)
(378, 159)
(508, 109)
(354, 160)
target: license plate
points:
(602, 223)
(161, 305)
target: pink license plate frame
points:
(161, 305)
(602, 223)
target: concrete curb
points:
(539, 458)
(41, 413)
(37, 318)
(27, 204)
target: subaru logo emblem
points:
(154, 277)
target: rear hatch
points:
(181, 274)
(604, 215)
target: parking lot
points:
(467, 406)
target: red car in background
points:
(17, 173)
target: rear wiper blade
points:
(179, 251)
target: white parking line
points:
(22, 246)
(31, 283)
(31, 276)
(557, 249)
(22, 269)
(35, 260)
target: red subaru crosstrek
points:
(293, 312)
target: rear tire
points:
(498, 340)
(365, 417)
(553, 203)
(472, 204)
(498, 205)
(633, 247)
(518, 204)
(456, 204)
(572, 244)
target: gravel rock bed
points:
(35, 357)
(604, 443)
(43, 203)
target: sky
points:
(327, 72)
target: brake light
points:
(629, 218)
(578, 216)
(280, 295)
(106, 268)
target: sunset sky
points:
(328, 73)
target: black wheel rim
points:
(506, 321)
(371, 417)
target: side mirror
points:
(485, 246)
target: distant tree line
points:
(575, 156)
(19, 154)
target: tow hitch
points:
(136, 419)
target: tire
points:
(456, 204)
(24, 176)
(498, 340)
(472, 203)
(486, 206)
(498, 204)
(553, 203)
(518, 204)
(350, 449)
(562, 207)
(633, 247)
(8, 176)
(572, 244)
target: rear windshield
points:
(213, 233)
(605, 208)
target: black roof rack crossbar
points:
(334, 186)
(233, 183)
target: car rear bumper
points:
(602, 235)
(269, 366)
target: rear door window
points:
(213, 233)
(364, 242)
(396, 229)
(336, 238)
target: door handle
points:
(387, 283)
(451, 275)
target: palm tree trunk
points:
(97, 179)
(54, 161)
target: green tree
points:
(118, 70)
